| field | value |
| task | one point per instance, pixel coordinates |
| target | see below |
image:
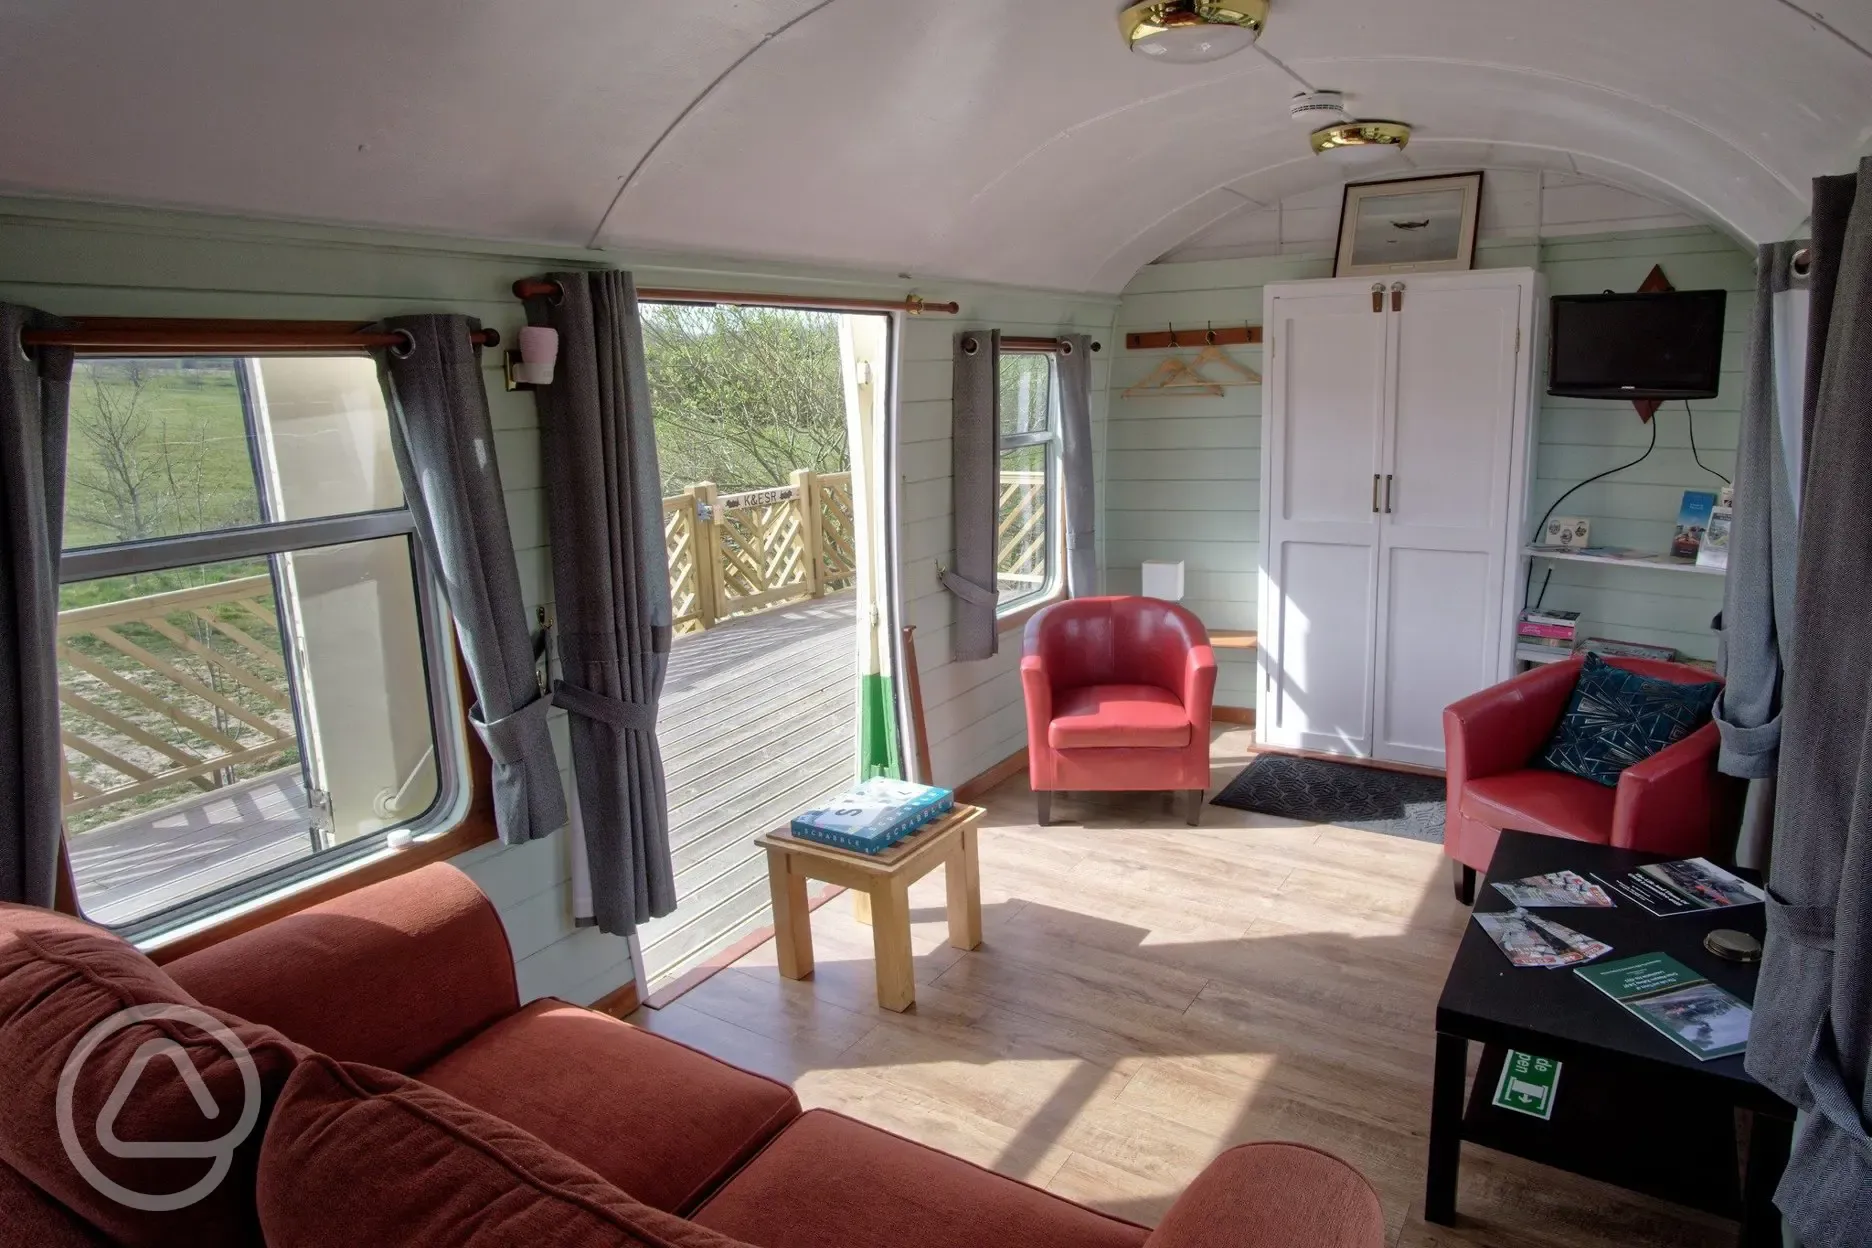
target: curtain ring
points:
(1065, 348)
(25, 351)
(970, 346)
(404, 346)
(1802, 262)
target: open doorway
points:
(770, 438)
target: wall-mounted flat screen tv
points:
(1666, 345)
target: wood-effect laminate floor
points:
(1148, 994)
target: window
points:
(247, 635)
(1027, 531)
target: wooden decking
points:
(134, 868)
(1148, 994)
(759, 721)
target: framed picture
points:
(1413, 225)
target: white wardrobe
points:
(1394, 467)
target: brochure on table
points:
(1697, 1015)
(1530, 940)
(1692, 886)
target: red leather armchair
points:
(1674, 802)
(1119, 692)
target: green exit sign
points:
(1527, 1085)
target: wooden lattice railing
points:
(1021, 533)
(734, 554)
(184, 687)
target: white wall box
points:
(1394, 472)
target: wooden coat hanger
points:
(1174, 378)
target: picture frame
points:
(1408, 225)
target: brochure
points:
(1527, 1085)
(1699, 1016)
(1530, 940)
(1558, 888)
(1692, 518)
(1691, 886)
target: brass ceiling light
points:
(1355, 139)
(1192, 31)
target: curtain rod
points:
(1046, 346)
(915, 305)
(142, 336)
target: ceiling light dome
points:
(1360, 140)
(1191, 31)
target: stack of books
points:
(1546, 636)
(874, 816)
(1610, 648)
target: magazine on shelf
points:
(873, 816)
(1529, 940)
(1557, 888)
(1610, 648)
(1539, 615)
(1696, 1014)
(1713, 550)
(1692, 518)
(1691, 886)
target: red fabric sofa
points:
(406, 1096)
(1119, 694)
(1674, 802)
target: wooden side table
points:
(884, 881)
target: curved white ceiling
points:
(1001, 140)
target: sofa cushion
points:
(1096, 716)
(29, 1216)
(63, 983)
(831, 1182)
(1547, 802)
(1617, 718)
(358, 1155)
(420, 962)
(1274, 1193)
(657, 1118)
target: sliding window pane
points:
(322, 436)
(225, 720)
(1026, 392)
(1024, 524)
(158, 447)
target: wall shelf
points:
(1661, 563)
(1232, 639)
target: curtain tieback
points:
(1811, 927)
(969, 591)
(622, 715)
(509, 739)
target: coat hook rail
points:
(1174, 338)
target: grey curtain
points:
(1812, 1035)
(1075, 375)
(444, 444)
(1758, 596)
(976, 484)
(610, 589)
(35, 391)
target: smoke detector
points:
(1314, 109)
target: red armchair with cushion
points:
(1119, 692)
(407, 1097)
(1673, 802)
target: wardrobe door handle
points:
(1377, 297)
(1387, 493)
(1397, 296)
(1374, 493)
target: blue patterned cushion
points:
(1617, 718)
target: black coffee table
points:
(1631, 1108)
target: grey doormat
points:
(1395, 803)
